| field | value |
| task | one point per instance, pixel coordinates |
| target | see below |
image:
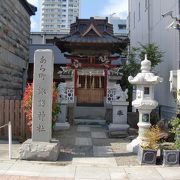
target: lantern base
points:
(133, 146)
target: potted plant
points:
(170, 151)
(148, 150)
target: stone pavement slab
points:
(102, 151)
(5, 166)
(95, 169)
(99, 135)
(83, 129)
(99, 162)
(117, 173)
(80, 141)
(141, 173)
(58, 171)
(25, 169)
(92, 173)
(172, 173)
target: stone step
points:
(82, 112)
(90, 121)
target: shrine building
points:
(96, 62)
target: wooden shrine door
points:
(90, 90)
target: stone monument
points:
(119, 125)
(144, 102)
(62, 116)
(41, 146)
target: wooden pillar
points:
(75, 82)
(105, 82)
(100, 83)
(85, 86)
(93, 82)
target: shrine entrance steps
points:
(89, 115)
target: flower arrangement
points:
(27, 104)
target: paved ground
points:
(85, 143)
(86, 153)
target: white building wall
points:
(151, 27)
(57, 15)
(119, 26)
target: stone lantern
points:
(144, 102)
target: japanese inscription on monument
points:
(42, 95)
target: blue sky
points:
(88, 8)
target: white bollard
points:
(10, 139)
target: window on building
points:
(139, 11)
(122, 26)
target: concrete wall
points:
(151, 27)
(42, 37)
(14, 37)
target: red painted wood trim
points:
(105, 82)
(75, 81)
(98, 65)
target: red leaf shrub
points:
(27, 104)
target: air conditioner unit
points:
(173, 81)
(175, 84)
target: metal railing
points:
(9, 137)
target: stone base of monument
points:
(62, 126)
(133, 146)
(120, 130)
(39, 151)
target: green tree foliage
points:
(132, 67)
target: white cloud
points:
(120, 7)
(34, 2)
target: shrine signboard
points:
(42, 96)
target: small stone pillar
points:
(144, 102)
(119, 125)
(62, 123)
(41, 146)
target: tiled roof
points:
(92, 39)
